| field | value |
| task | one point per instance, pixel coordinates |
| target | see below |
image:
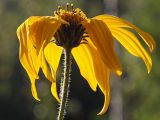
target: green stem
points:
(65, 83)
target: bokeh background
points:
(134, 96)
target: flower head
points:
(91, 41)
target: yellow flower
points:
(42, 39)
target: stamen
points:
(53, 40)
(84, 41)
(72, 7)
(67, 6)
(84, 36)
(59, 8)
(56, 12)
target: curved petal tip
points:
(149, 68)
(34, 92)
(106, 104)
(54, 91)
(119, 72)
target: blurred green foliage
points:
(140, 91)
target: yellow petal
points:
(103, 75)
(33, 36)
(54, 91)
(106, 102)
(102, 39)
(34, 32)
(33, 57)
(131, 43)
(115, 22)
(33, 89)
(42, 29)
(28, 58)
(84, 61)
(25, 54)
(52, 54)
(93, 69)
(46, 70)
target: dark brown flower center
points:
(72, 34)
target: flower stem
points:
(65, 83)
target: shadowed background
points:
(135, 96)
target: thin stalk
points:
(65, 83)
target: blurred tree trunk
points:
(116, 106)
(111, 7)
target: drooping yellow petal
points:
(106, 100)
(85, 63)
(33, 89)
(102, 39)
(33, 35)
(131, 43)
(115, 22)
(54, 91)
(28, 58)
(25, 51)
(46, 69)
(52, 54)
(93, 69)
(32, 54)
(42, 29)
(102, 74)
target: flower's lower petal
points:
(52, 54)
(54, 91)
(33, 89)
(102, 39)
(103, 75)
(26, 63)
(27, 53)
(42, 29)
(34, 34)
(28, 58)
(131, 43)
(106, 102)
(85, 63)
(115, 22)
(34, 61)
(46, 70)
(93, 69)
